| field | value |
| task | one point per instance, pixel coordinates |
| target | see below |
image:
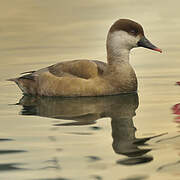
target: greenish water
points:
(127, 137)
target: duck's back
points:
(69, 78)
(85, 69)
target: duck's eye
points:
(133, 32)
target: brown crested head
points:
(127, 25)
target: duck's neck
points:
(121, 57)
(117, 49)
(119, 72)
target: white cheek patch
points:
(122, 40)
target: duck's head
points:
(126, 34)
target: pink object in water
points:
(178, 83)
(176, 109)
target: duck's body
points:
(91, 77)
(79, 78)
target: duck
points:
(84, 77)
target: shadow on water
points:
(11, 167)
(86, 110)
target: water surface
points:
(126, 137)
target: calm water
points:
(127, 137)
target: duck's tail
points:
(12, 79)
(26, 84)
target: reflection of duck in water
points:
(84, 111)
